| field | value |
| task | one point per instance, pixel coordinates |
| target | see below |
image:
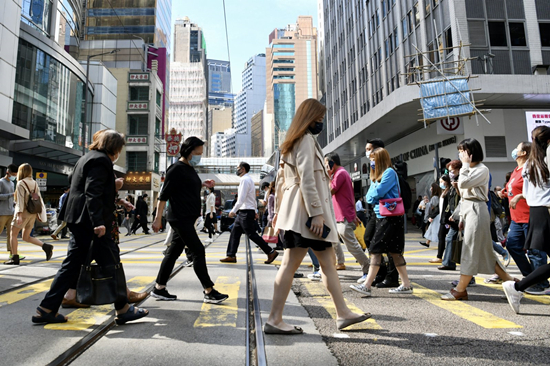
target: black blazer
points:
(91, 199)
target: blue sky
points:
(249, 23)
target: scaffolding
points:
(444, 89)
(188, 99)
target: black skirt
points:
(292, 239)
(538, 234)
(389, 236)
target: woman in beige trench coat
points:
(303, 193)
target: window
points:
(387, 46)
(138, 124)
(544, 29)
(283, 53)
(448, 41)
(281, 45)
(139, 93)
(416, 15)
(137, 161)
(405, 29)
(384, 9)
(517, 34)
(159, 99)
(495, 147)
(157, 128)
(409, 21)
(157, 160)
(497, 34)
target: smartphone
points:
(326, 229)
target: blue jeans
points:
(538, 258)
(515, 243)
(499, 249)
(314, 260)
(447, 257)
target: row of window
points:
(136, 161)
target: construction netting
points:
(188, 99)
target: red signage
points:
(173, 142)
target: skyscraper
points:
(188, 81)
(291, 62)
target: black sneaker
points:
(163, 294)
(214, 297)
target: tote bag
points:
(100, 285)
(270, 235)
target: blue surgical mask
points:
(12, 178)
(317, 128)
(442, 185)
(207, 191)
(195, 160)
(372, 164)
(515, 154)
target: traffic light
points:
(443, 165)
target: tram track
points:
(42, 279)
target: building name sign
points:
(536, 119)
(138, 76)
(136, 140)
(355, 176)
(137, 106)
(135, 181)
(423, 150)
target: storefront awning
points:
(46, 149)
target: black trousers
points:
(185, 236)
(245, 223)
(79, 245)
(442, 234)
(209, 224)
(142, 221)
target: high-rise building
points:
(370, 48)
(220, 99)
(291, 62)
(257, 140)
(188, 99)
(146, 19)
(250, 100)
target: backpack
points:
(34, 204)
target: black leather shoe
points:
(377, 280)
(445, 268)
(386, 284)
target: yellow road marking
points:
(463, 310)
(418, 251)
(318, 291)
(538, 298)
(23, 293)
(81, 319)
(224, 314)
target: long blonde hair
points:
(309, 111)
(24, 171)
(382, 162)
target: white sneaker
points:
(513, 295)
(362, 289)
(401, 290)
(362, 279)
(208, 240)
(315, 276)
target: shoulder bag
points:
(392, 206)
(100, 285)
(34, 204)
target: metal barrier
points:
(255, 353)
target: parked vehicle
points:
(50, 225)
(225, 220)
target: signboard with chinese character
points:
(137, 181)
(133, 140)
(536, 119)
(138, 106)
(138, 76)
(173, 142)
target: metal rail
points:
(255, 353)
(15, 288)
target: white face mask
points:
(12, 178)
(367, 154)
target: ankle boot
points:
(48, 249)
(13, 261)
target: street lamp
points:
(83, 134)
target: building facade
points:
(370, 47)
(257, 134)
(291, 72)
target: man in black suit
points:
(89, 213)
(141, 215)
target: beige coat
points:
(303, 190)
(22, 197)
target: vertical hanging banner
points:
(173, 142)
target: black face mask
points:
(317, 129)
(238, 172)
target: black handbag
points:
(100, 285)
(457, 248)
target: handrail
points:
(252, 289)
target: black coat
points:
(91, 199)
(142, 209)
